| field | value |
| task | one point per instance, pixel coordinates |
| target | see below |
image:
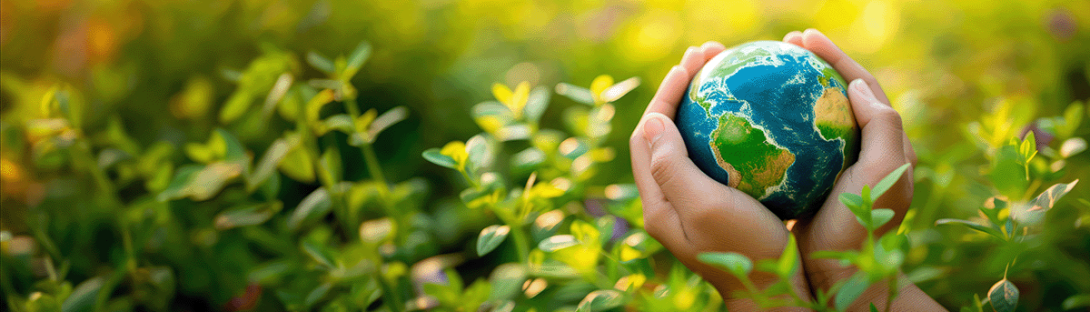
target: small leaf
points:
(601, 300)
(974, 226)
(873, 308)
(318, 253)
(575, 93)
(851, 200)
(620, 89)
(734, 263)
(1072, 147)
(536, 104)
(268, 163)
(1003, 296)
(887, 182)
(491, 237)
(502, 93)
(598, 86)
(850, 290)
(386, 120)
(312, 207)
(320, 62)
(1076, 301)
(434, 156)
(789, 259)
(297, 164)
(355, 61)
(338, 122)
(82, 298)
(247, 215)
(477, 151)
(880, 217)
(315, 104)
(557, 242)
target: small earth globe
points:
(773, 120)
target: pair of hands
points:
(690, 213)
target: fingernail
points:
(652, 130)
(863, 89)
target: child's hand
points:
(689, 212)
(884, 148)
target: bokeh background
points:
(163, 69)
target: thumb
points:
(881, 128)
(679, 178)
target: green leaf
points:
(575, 93)
(319, 253)
(297, 164)
(536, 104)
(338, 122)
(268, 163)
(247, 215)
(601, 300)
(83, 297)
(236, 106)
(1072, 147)
(177, 187)
(850, 290)
(619, 89)
(789, 259)
(887, 182)
(734, 263)
(1008, 174)
(386, 120)
(880, 217)
(321, 62)
(507, 280)
(873, 308)
(973, 225)
(329, 168)
(491, 237)
(477, 149)
(850, 200)
(557, 242)
(1003, 296)
(312, 207)
(436, 157)
(355, 61)
(1076, 301)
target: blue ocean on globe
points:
(772, 120)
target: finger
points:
(670, 92)
(711, 49)
(693, 60)
(794, 37)
(701, 202)
(882, 143)
(660, 219)
(818, 43)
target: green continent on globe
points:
(752, 163)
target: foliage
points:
(242, 155)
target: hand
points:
(885, 147)
(689, 212)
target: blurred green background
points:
(163, 70)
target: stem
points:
(351, 107)
(373, 167)
(521, 243)
(393, 299)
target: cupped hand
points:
(884, 148)
(689, 212)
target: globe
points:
(773, 120)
